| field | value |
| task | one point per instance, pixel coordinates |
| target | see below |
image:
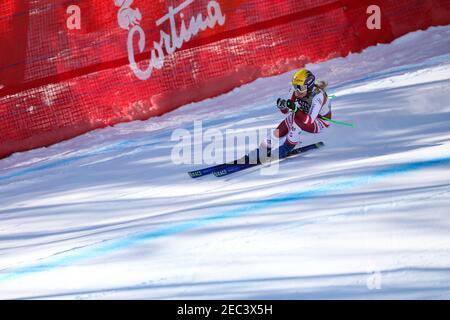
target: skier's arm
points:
(316, 105)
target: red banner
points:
(67, 67)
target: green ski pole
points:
(339, 122)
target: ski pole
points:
(338, 122)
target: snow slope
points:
(107, 215)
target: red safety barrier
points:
(135, 59)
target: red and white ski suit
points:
(311, 122)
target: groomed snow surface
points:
(108, 215)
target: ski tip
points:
(195, 174)
(320, 144)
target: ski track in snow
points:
(107, 216)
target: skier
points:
(308, 106)
(307, 109)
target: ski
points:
(208, 170)
(306, 148)
(224, 171)
(232, 169)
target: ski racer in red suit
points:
(306, 110)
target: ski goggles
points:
(301, 89)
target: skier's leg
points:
(263, 153)
(304, 122)
(293, 137)
(280, 132)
